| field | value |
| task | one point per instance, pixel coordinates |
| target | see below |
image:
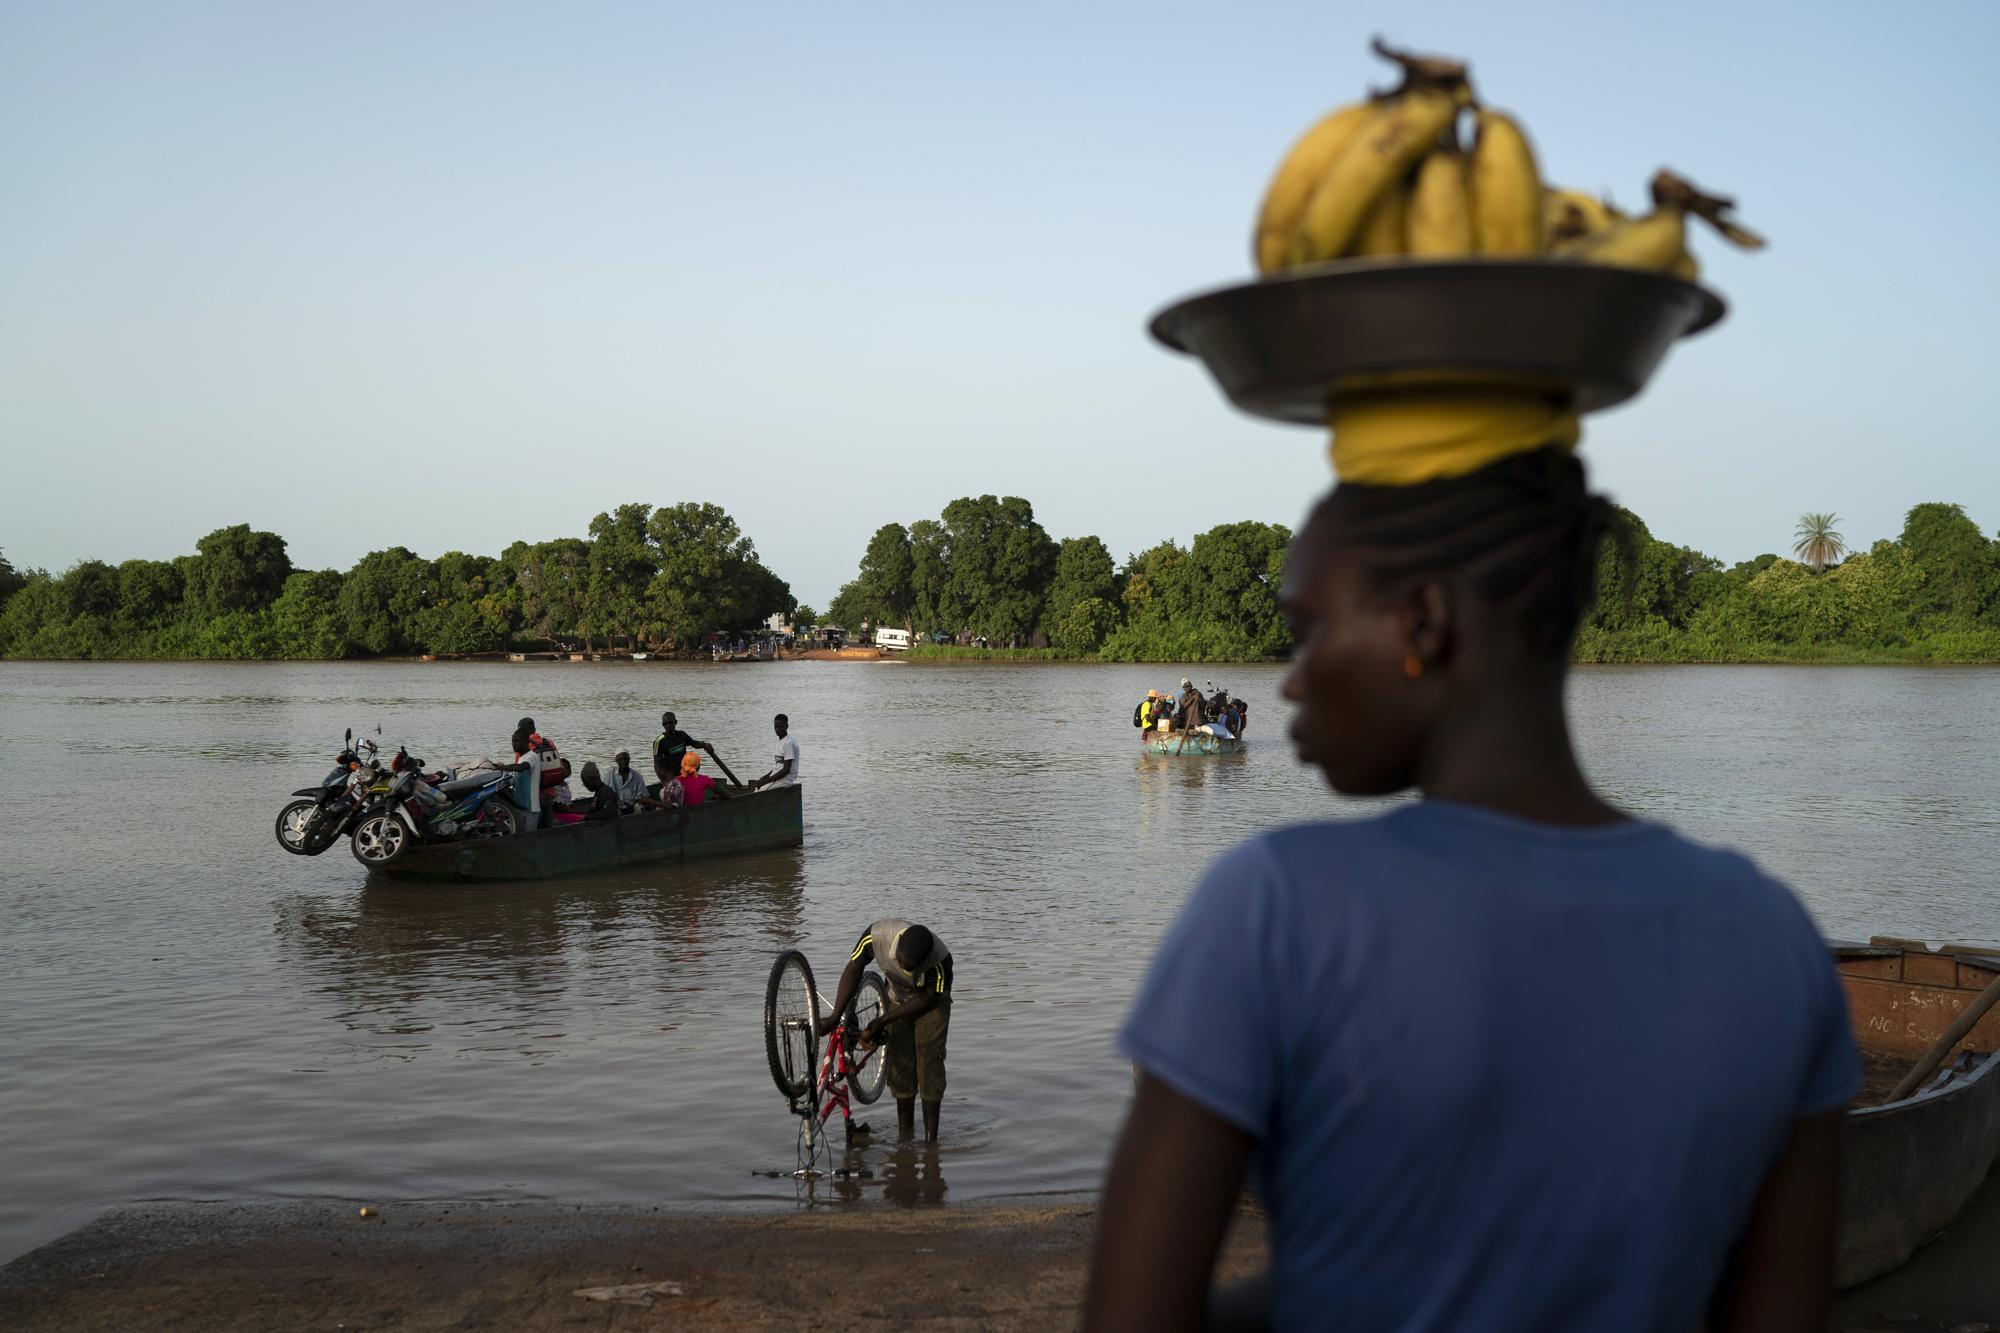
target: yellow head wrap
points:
(690, 762)
(1403, 436)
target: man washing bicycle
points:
(916, 968)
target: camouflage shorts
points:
(915, 1051)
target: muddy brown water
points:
(188, 1013)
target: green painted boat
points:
(1185, 742)
(752, 823)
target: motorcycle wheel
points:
(322, 831)
(292, 822)
(496, 820)
(381, 839)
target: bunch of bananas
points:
(1389, 177)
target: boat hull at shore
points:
(1911, 1165)
(766, 821)
(1191, 742)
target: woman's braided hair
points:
(1524, 533)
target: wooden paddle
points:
(725, 769)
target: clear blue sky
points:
(449, 275)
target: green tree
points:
(1084, 572)
(623, 561)
(554, 578)
(1818, 543)
(847, 610)
(930, 572)
(149, 595)
(804, 618)
(885, 584)
(383, 598)
(710, 578)
(1953, 563)
(1085, 626)
(11, 580)
(235, 569)
(306, 618)
(999, 563)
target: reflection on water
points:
(195, 1014)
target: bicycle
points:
(818, 1082)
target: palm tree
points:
(1818, 544)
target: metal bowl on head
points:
(1280, 347)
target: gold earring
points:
(1413, 667)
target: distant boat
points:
(517, 657)
(1191, 742)
(640, 657)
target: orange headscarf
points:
(690, 763)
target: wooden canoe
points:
(1169, 743)
(768, 820)
(1911, 1165)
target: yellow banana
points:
(1658, 241)
(1571, 215)
(1506, 189)
(1382, 227)
(1653, 242)
(1440, 215)
(1302, 169)
(1391, 138)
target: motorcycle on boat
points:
(417, 811)
(314, 821)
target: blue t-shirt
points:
(1502, 1075)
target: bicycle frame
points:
(836, 1067)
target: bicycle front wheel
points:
(869, 1002)
(791, 1024)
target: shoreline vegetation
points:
(985, 574)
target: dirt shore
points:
(423, 1266)
(456, 1265)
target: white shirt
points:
(788, 748)
(630, 787)
(528, 784)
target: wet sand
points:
(423, 1266)
(454, 1265)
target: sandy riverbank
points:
(422, 1266)
(446, 1265)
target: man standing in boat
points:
(785, 763)
(916, 969)
(672, 744)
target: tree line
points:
(984, 570)
(659, 578)
(1931, 593)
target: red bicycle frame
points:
(836, 1067)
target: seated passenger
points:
(696, 786)
(603, 803)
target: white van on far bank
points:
(892, 640)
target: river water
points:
(188, 1013)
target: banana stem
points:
(1421, 70)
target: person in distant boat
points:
(628, 781)
(785, 763)
(603, 802)
(916, 971)
(697, 786)
(1192, 713)
(672, 745)
(1371, 1011)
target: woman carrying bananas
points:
(1507, 1056)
